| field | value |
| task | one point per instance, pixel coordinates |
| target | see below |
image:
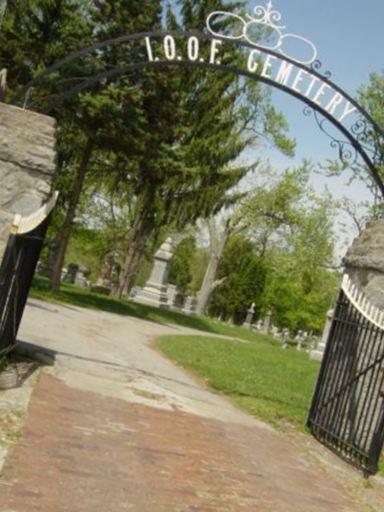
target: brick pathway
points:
(84, 452)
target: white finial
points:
(243, 28)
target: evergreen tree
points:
(243, 275)
(180, 272)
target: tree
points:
(180, 271)
(242, 273)
(371, 98)
(266, 209)
(293, 230)
(165, 136)
(206, 140)
(289, 233)
(219, 236)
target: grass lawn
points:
(84, 298)
(273, 384)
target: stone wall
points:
(27, 164)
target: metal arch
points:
(313, 69)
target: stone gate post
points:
(27, 164)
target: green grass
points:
(84, 298)
(274, 384)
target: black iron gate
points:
(347, 411)
(17, 270)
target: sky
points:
(349, 37)
(350, 42)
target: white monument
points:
(318, 353)
(154, 292)
(250, 314)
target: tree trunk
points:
(138, 237)
(209, 283)
(69, 218)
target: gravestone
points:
(250, 314)
(171, 294)
(318, 353)
(285, 337)
(299, 339)
(275, 332)
(259, 326)
(104, 283)
(135, 290)
(266, 326)
(190, 305)
(27, 164)
(70, 276)
(81, 278)
(154, 292)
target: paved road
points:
(115, 426)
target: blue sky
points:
(349, 37)
(350, 41)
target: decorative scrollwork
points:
(316, 65)
(265, 17)
(348, 153)
(366, 140)
(370, 140)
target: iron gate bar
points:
(347, 410)
(17, 270)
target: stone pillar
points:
(154, 292)
(27, 164)
(364, 262)
(318, 353)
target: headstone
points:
(64, 272)
(318, 353)
(250, 314)
(72, 270)
(299, 338)
(171, 294)
(154, 292)
(81, 278)
(267, 323)
(190, 305)
(135, 290)
(285, 336)
(104, 283)
(259, 326)
(275, 331)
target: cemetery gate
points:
(347, 412)
(347, 409)
(17, 270)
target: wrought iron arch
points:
(358, 134)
